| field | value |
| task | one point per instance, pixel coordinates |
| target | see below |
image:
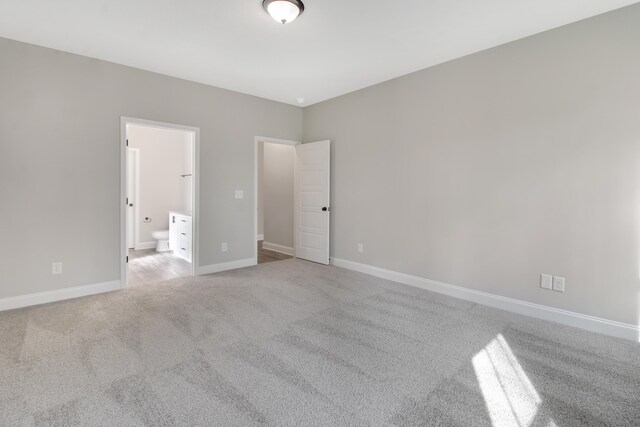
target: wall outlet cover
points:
(558, 284)
(546, 281)
(239, 194)
(224, 247)
(360, 247)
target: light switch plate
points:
(558, 284)
(239, 194)
(546, 281)
(56, 268)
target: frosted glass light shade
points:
(284, 11)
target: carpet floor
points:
(295, 343)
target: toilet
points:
(162, 237)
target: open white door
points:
(312, 201)
(133, 163)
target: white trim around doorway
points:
(195, 250)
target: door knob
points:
(131, 204)
(325, 209)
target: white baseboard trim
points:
(145, 245)
(224, 266)
(583, 321)
(38, 298)
(278, 248)
(260, 237)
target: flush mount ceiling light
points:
(284, 11)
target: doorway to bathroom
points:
(159, 193)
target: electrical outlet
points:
(239, 194)
(558, 284)
(56, 268)
(224, 247)
(360, 247)
(546, 281)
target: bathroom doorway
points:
(159, 201)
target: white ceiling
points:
(334, 47)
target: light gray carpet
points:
(295, 343)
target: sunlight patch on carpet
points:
(511, 398)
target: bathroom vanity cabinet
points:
(180, 234)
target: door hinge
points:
(127, 201)
(127, 142)
(127, 259)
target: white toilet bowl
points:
(162, 236)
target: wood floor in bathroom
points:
(149, 266)
(265, 255)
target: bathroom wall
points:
(186, 183)
(164, 156)
(278, 170)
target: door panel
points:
(132, 195)
(312, 198)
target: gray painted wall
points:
(277, 180)
(483, 172)
(60, 162)
(486, 171)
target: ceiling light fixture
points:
(284, 11)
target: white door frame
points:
(195, 189)
(258, 140)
